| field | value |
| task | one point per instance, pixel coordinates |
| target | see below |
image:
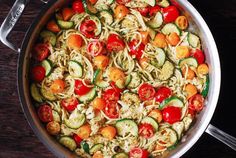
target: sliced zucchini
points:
(179, 128)
(98, 80)
(152, 33)
(150, 121)
(128, 80)
(75, 68)
(190, 61)
(106, 17)
(160, 58)
(96, 148)
(193, 40)
(56, 116)
(84, 145)
(101, 6)
(163, 3)
(98, 24)
(120, 155)
(126, 126)
(89, 8)
(47, 94)
(68, 142)
(120, 83)
(75, 120)
(65, 24)
(167, 71)
(131, 99)
(150, 2)
(47, 64)
(206, 87)
(135, 80)
(171, 135)
(48, 37)
(156, 22)
(89, 96)
(187, 122)
(169, 28)
(35, 93)
(172, 101)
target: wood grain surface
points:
(17, 140)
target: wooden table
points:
(16, 137)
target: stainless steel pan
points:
(198, 25)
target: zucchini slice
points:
(193, 40)
(120, 155)
(96, 148)
(128, 80)
(172, 135)
(47, 94)
(56, 116)
(47, 64)
(172, 101)
(131, 99)
(68, 142)
(35, 93)
(167, 71)
(65, 24)
(179, 128)
(206, 87)
(126, 126)
(190, 61)
(106, 17)
(75, 120)
(48, 37)
(135, 80)
(75, 68)
(160, 58)
(98, 80)
(89, 8)
(169, 28)
(150, 2)
(89, 96)
(150, 121)
(152, 33)
(157, 21)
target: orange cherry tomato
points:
(156, 114)
(53, 128)
(190, 74)
(145, 36)
(116, 74)
(121, 11)
(160, 40)
(98, 154)
(191, 90)
(108, 132)
(173, 39)
(144, 62)
(182, 22)
(52, 26)
(101, 61)
(74, 41)
(99, 103)
(84, 131)
(202, 69)
(182, 52)
(58, 86)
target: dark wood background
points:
(16, 137)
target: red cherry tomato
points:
(146, 130)
(38, 73)
(162, 93)
(87, 28)
(40, 52)
(45, 113)
(70, 104)
(113, 85)
(144, 11)
(111, 110)
(77, 139)
(95, 48)
(115, 43)
(171, 114)
(136, 51)
(170, 14)
(191, 112)
(146, 92)
(138, 153)
(111, 95)
(77, 6)
(196, 102)
(154, 10)
(199, 55)
(122, 1)
(80, 88)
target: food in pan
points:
(118, 78)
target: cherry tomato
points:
(191, 112)
(115, 43)
(196, 102)
(111, 110)
(77, 139)
(77, 6)
(154, 10)
(162, 93)
(144, 11)
(87, 28)
(40, 52)
(122, 1)
(45, 113)
(121, 11)
(52, 26)
(58, 86)
(111, 95)
(146, 92)
(53, 128)
(74, 41)
(70, 104)
(117, 89)
(146, 130)
(171, 114)
(95, 48)
(199, 55)
(134, 50)
(170, 14)
(80, 88)
(38, 73)
(99, 103)
(138, 153)
(101, 61)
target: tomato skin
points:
(144, 11)
(115, 43)
(77, 139)
(95, 48)
(70, 104)
(146, 130)
(87, 28)
(117, 89)
(52, 26)
(136, 51)
(111, 95)
(154, 10)
(74, 41)
(171, 114)
(80, 88)
(38, 73)
(199, 55)
(162, 93)
(58, 86)
(45, 113)
(196, 103)
(53, 128)
(77, 6)
(138, 153)
(122, 1)
(41, 51)
(120, 11)
(146, 92)
(170, 14)
(111, 110)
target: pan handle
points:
(222, 136)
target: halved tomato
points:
(146, 92)
(134, 50)
(115, 43)
(111, 109)
(111, 95)
(40, 52)
(45, 113)
(171, 114)
(95, 48)
(38, 73)
(146, 130)
(70, 103)
(138, 153)
(80, 88)
(162, 93)
(196, 102)
(144, 11)
(87, 28)
(199, 55)
(122, 1)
